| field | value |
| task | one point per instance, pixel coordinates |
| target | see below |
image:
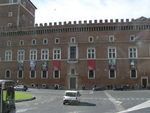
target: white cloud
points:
(74, 10)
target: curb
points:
(33, 98)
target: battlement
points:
(85, 22)
(141, 23)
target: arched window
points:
(33, 42)
(7, 74)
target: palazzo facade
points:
(74, 54)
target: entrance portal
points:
(73, 81)
(144, 82)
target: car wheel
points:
(64, 103)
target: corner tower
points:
(17, 13)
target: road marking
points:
(116, 103)
(137, 107)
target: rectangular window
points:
(132, 37)
(32, 74)
(10, 14)
(44, 74)
(21, 42)
(56, 54)
(20, 74)
(8, 55)
(9, 43)
(133, 73)
(112, 73)
(20, 55)
(73, 71)
(73, 53)
(57, 41)
(132, 52)
(72, 40)
(91, 53)
(33, 55)
(56, 74)
(44, 54)
(91, 74)
(111, 38)
(111, 52)
(11, 1)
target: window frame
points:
(57, 39)
(21, 57)
(76, 53)
(11, 1)
(115, 73)
(134, 53)
(73, 40)
(132, 36)
(18, 74)
(91, 53)
(42, 74)
(45, 41)
(21, 43)
(33, 42)
(131, 74)
(8, 70)
(44, 54)
(112, 53)
(90, 39)
(54, 76)
(10, 14)
(9, 43)
(89, 74)
(33, 56)
(57, 54)
(111, 38)
(8, 55)
(34, 74)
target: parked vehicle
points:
(71, 97)
(21, 88)
(122, 87)
(100, 88)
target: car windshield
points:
(70, 94)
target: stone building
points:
(17, 13)
(73, 54)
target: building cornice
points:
(8, 4)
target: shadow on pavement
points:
(83, 104)
(86, 104)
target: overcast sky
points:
(75, 10)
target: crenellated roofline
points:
(141, 23)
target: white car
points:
(21, 88)
(71, 97)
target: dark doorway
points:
(72, 83)
(144, 82)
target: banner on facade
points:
(112, 64)
(132, 64)
(20, 67)
(91, 64)
(44, 65)
(57, 64)
(32, 65)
